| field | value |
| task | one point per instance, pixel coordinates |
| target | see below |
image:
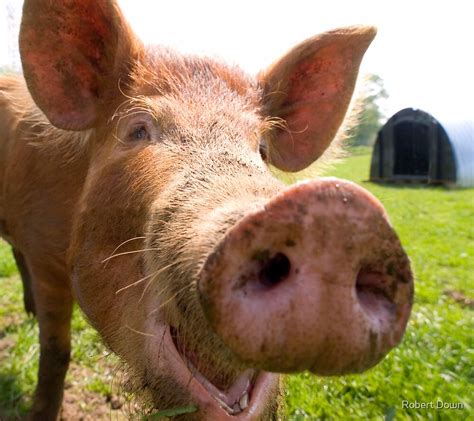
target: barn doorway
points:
(412, 147)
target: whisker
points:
(169, 299)
(166, 287)
(128, 252)
(139, 332)
(177, 262)
(151, 281)
(135, 283)
(156, 273)
(127, 241)
(161, 347)
(174, 296)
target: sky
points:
(423, 50)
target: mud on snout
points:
(315, 280)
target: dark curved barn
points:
(414, 146)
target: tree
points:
(10, 12)
(6, 69)
(368, 112)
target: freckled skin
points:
(133, 180)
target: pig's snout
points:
(316, 280)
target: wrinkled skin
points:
(136, 181)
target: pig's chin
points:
(251, 395)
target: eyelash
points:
(262, 148)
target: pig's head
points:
(195, 264)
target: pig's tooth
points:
(223, 405)
(236, 409)
(244, 401)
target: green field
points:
(434, 364)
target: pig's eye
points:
(262, 148)
(139, 133)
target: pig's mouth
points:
(246, 394)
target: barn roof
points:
(461, 136)
(435, 150)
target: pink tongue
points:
(234, 393)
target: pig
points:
(137, 181)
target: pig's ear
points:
(310, 89)
(74, 55)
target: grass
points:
(435, 361)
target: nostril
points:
(372, 286)
(275, 270)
